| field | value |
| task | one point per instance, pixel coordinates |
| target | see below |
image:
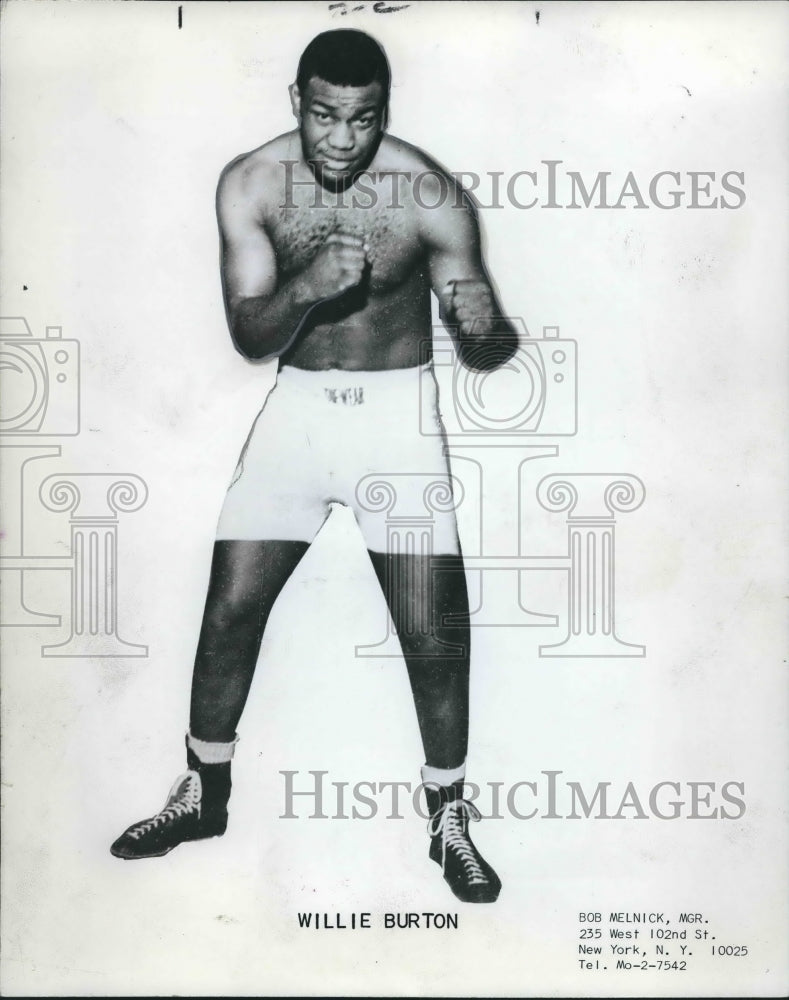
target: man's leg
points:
(246, 579)
(422, 591)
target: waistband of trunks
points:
(374, 383)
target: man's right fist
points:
(338, 265)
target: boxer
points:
(329, 257)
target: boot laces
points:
(451, 821)
(184, 797)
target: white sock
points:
(211, 753)
(443, 776)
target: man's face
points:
(340, 128)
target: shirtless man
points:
(328, 261)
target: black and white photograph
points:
(393, 414)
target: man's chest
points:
(299, 230)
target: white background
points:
(116, 125)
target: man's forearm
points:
(264, 326)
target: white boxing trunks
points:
(370, 440)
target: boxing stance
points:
(329, 256)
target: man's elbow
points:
(252, 352)
(249, 334)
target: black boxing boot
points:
(466, 872)
(196, 808)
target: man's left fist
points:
(486, 340)
(466, 300)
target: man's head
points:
(340, 100)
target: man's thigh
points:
(251, 574)
(276, 491)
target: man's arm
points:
(266, 316)
(460, 281)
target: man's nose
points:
(341, 136)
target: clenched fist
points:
(338, 266)
(467, 300)
(486, 340)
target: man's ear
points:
(295, 101)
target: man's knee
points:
(232, 607)
(449, 648)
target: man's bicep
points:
(249, 263)
(249, 267)
(448, 265)
(452, 237)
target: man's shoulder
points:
(435, 191)
(253, 174)
(396, 154)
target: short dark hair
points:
(346, 58)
